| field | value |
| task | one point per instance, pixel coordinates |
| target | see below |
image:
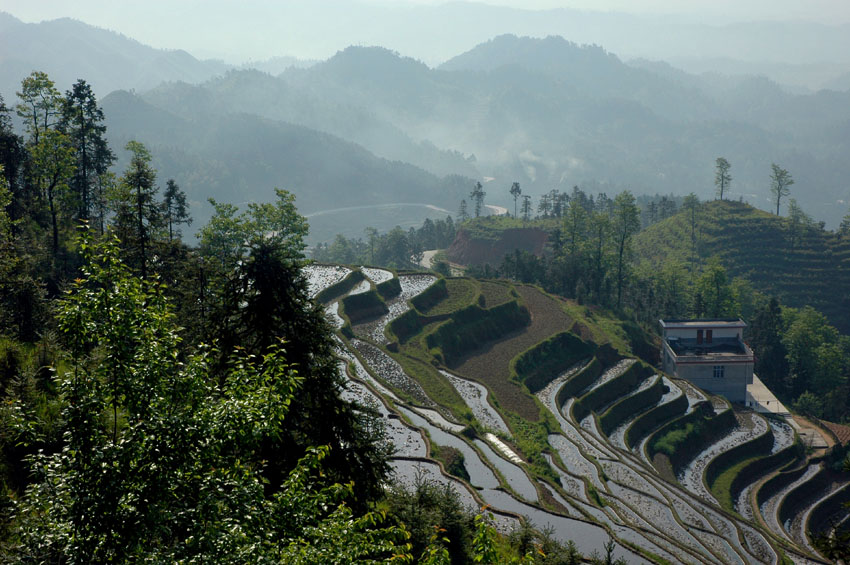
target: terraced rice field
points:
(749, 427)
(677, 522)
(411, 286)
(475, 396)
(320, 277)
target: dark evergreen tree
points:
(175, 209)
(138, 215)
(12, 158)
(258, 298)
(82, 122)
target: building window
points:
(719, 371)
(708, 336)
(699, 337)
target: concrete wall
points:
(691, 333)
(733, 385)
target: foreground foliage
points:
(159, 461)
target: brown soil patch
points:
(841, 432)
(490, 364)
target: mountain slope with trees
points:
(220, 155)
(792, 258)
(68, 49)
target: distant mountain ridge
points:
(68, 50)
(241, 158)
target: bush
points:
(473, 326)
(342, 287)
(683, 438)
(362, 306)
(539, 365)
(631, 405)
(645, 423)
(390, 288)
(431, 296)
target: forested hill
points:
(792, 258)
(230, 156)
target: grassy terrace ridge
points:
(494, 293)
(490, 228)
(809, 268)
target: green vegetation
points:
(608, 392)
(539, 365)
(341, 288)
(359, 307)
(686, 436)
(629, 406)
(432, 296)
(799, 263)
(472, 326)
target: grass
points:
(722, 486)
(435, 385)
(461, 293)
(495, 293)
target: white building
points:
(709, 353)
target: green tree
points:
(257, 296)
(12, 158)
(82, 121)
(798, 222)
(780, 181)
(52, 166)
(175, 209)
(766, 331)
(526, 207)
(138, 214)
(815, 352)
(463, 213)
(40, 105)
(691, 205)
(161, 462)
(515, 192)
(477, 195)
(625, 223)
(722, 177)
(575, 226)
(844, 228)
(715, 292)
(601, 232)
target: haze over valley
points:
(549, 112)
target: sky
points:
(243, 30)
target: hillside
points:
(569, 429)
(807, 266)
(68, 49)
(244, 157)
(548, 113)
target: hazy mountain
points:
(68, 50)
(309, 105)
(550, 114)
(242, 158)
